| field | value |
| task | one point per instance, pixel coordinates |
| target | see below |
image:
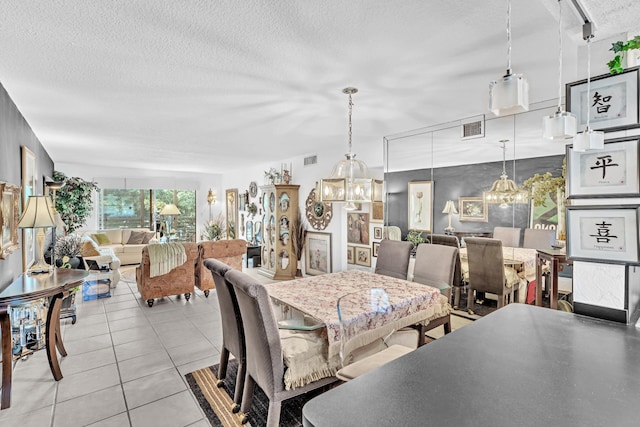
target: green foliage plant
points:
(415, 237)
(539, 185)
(74, 200)
(619, 48)
(215, 229)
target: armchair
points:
(228, 252)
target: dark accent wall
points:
(14, 133)
(449, 183)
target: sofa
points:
(124, 242)
(178, 281)
(226, 251)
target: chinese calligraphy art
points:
(604, 234)
(612, 172)
(611, 104)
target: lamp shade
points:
(38, 213)
(170, 209)
(589, 140)
(560, 125)
(450, 208)
(509, 95)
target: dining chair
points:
(354, 313)
(536, 238)
(392, 232)
(487, 272)
(265, 365)
(233, 341)
(393, 258)
(458, 283)
(509, 236)
(435, 266)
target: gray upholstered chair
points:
(536, 238)
(487, 272)
(393, 258)
(458, 283)
(509, 236)
(435, 266)
(392, 232)
(265, 365)
(232, 330)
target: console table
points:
(557, 259)
(56, 285)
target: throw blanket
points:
(164, 257)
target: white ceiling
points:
(208, 86)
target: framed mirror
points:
(9, 215)
(318, 213)
(257, 232)
(249, 232)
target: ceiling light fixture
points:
(504, 190)
(510, 94)
(561, 125)
(349, 180)
(588, 139)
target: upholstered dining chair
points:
(509, 236)
(393, 258)
(536, 238)
(233, 341)
(458, 283)
(435, 266)
(392, 232)
(487, 272)
(265, 365)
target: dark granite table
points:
(519, 366)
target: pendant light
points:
(349, 180)
(510, 94)
(561, 125)
(589, 139)
(505, 190)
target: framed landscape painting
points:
(318, 253)
(420, 204)
(472, 209)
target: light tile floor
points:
(126, 364)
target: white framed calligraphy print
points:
(603, 234)
(611, 104)
(612, 172)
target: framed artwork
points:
(358, 228)
(363, 256)
(378, 190)
(420, 200)
(603, 234)
(377, 233)
(612, 172)
(376, 247)
(544, 217)
(318, 253)
(231, 199)
(612, 103)
(472, 209)
(377, 212)
(9, 215)
(28, 190)
(351, 254)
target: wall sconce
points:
(211, 200)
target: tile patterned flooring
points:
(126, 364)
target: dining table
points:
(307, 308)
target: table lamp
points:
(170, 211)
(449, 208)
(38, 215)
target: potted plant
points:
(68, 251)
(539, 186)
(214, 229)
(416, 238)
(621, 49)
(74, 200)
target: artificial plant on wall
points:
(73, 201)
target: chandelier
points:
(510, 94)
(504, 190)
(349, 180)
(562, 124)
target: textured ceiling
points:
(209, 85)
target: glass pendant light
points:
(505, 190)
(562, 124)
(510, 94)
(589, 139)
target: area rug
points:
(217, 402)
(128, 273)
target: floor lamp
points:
(38, 214)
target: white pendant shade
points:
(509, 95)
(589, 140)
(561, 125)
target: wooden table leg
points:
(7, 358)
(59, 343)
(553, 298)
(52, 331)
(539, 262)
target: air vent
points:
(311, 160)
(473, 127)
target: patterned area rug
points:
(217, 402)
(128, 273)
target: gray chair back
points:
(393, 258)
(509, 236)
(536, 238)
(486, 265)
(443, 239)
(435, 265)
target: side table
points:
(557, 259)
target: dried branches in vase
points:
(298, 234)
